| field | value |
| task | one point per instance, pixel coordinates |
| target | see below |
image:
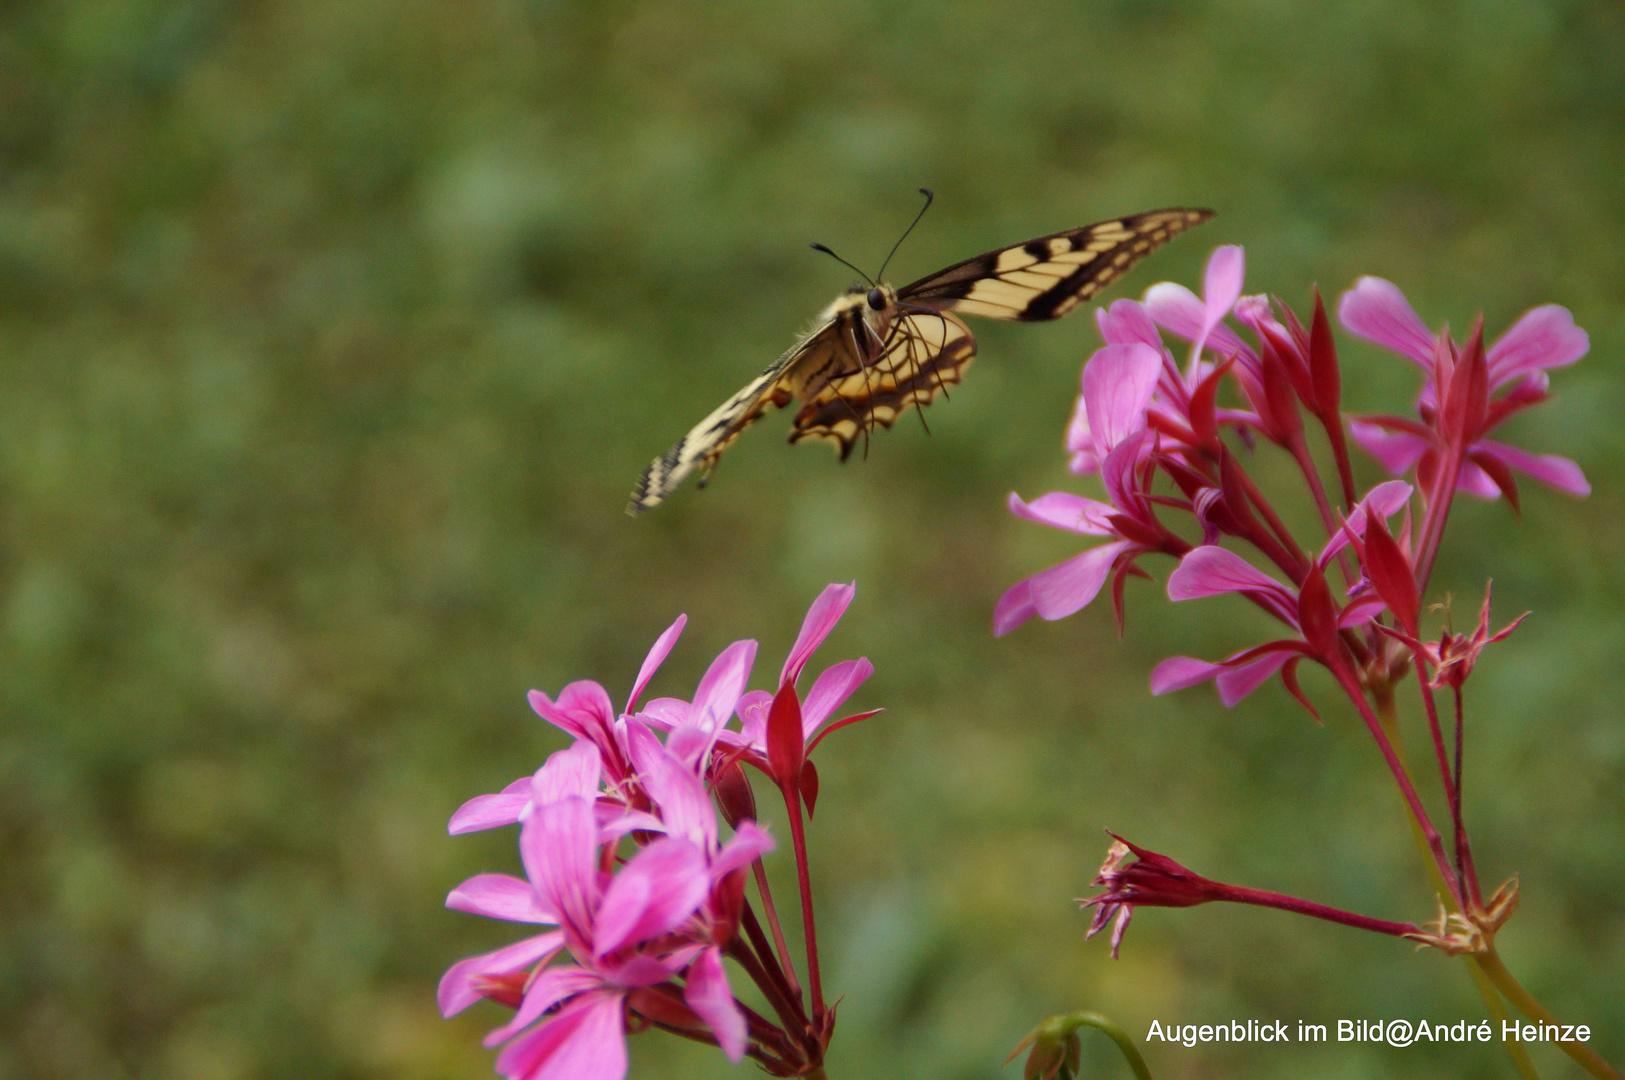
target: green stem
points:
(1118, 1036)
(1524, 1002)
(1492, 1001)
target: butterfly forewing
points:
(701, 447)
(1047, 277)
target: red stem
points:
(1351, 687)
(792, 803)
(773, 992)
(1256, 497)
(1438, 512)
(1306, 465)
(764, 953)
(1264, 898)
(788, 968)
(1439, 751)
(1464, 849)
(1333, 426)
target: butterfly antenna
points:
(820, 247)
(929, 195)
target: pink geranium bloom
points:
(640, 927)
(1129, 519)
(1515, 366)
(829, 691)
(1210, 571)
(584, 712)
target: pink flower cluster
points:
(1351, 599)
(1142, 415)
(624, 858)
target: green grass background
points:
(333, 335)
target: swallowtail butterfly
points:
(876, 351)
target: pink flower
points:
(1130, 520)
(1515, 366)
(1309, 610)
(829, 691)
(653, 920)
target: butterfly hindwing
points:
(1047, 277)
(925, 352)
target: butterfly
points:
(877, 351)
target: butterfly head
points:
(876, 306)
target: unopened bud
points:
(734, 794)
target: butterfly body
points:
(876, 352)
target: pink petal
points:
(1376, 310)
(1361, 611)
(720, 687)
(1065, 511)
(708, 994)
(489, 811)
(1387, 498)
(615, 820)
(559, 847)
(1127, 323)
(550, 987)
(1014, 608)
(457, 991)
(665, 713)
(1544, 338)
(587, 1041)
(1117, 385)
(1221, 287)
(498, 896)
(657, 655)
(1398, 451)
(1117, 472)
(1476, 482)
(1210, 570)
(676, 789)
(834, 685)
(752, 712)
(1177, 310)
(1557, 472)
(750, 842)
(1237, 682)
(821, 618)
(583, 711)
(574, 771)
(653, 894)
(1179, 672)
(1069, 586)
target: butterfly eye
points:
(877, 299)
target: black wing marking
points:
(926, 351)
(1049, 276)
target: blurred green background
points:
(333, 335)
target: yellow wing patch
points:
(926, 352)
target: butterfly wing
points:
(782, 381)
(1049, 276)
(925, 351)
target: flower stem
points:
(1402, 776)
(788, 968)
(1118, 1036)
(792, 803)
(1263, 898)
(1490, 963)
(1492, 1001)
